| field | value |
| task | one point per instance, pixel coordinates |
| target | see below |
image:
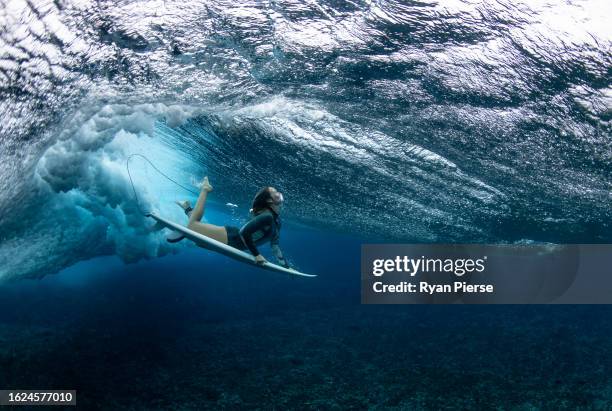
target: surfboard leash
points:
(127, 165)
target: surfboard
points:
(219, 247)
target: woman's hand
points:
(259, 259)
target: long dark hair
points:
(262, 201)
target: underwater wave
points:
(440, 121)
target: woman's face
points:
(277, 197)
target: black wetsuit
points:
(260, 229)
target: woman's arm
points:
(278, 253)
(258, 223)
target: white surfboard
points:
(219, 247)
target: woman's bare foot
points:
(205, 185)
(185, 205)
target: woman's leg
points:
(215, 232)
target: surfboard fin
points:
(174, 237)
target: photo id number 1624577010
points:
(37, 397)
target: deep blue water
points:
(195, 285)
(197, 331)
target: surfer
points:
(264, 225)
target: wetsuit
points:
(260, 229)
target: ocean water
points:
(380, 121)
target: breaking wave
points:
(395, 121)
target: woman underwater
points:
(263, 227)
